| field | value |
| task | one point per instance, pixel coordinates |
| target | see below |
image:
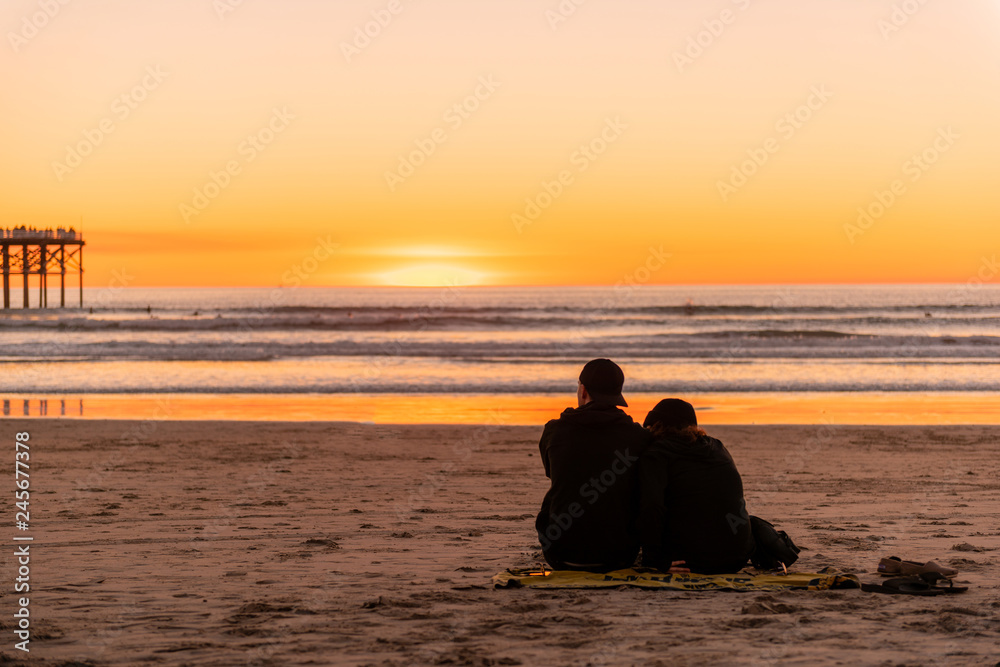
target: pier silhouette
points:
(40, 252)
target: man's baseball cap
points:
(604, 380)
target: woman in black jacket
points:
(692, 507)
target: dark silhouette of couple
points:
(665, 487)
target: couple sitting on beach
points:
(665, 486)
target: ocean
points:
(505, 341)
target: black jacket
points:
(692, 507)
(589, 514)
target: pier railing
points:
(41, 235)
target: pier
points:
(41, 252)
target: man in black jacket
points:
(588, 517)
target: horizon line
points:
(559, 285)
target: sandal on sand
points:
(940, 582)
(894, 566)
(903, 586)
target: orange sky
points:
(215, 142)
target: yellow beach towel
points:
(805, 581)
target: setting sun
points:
(432, 275)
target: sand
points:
(239, 543)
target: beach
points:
(309, 543)
(287, 303)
